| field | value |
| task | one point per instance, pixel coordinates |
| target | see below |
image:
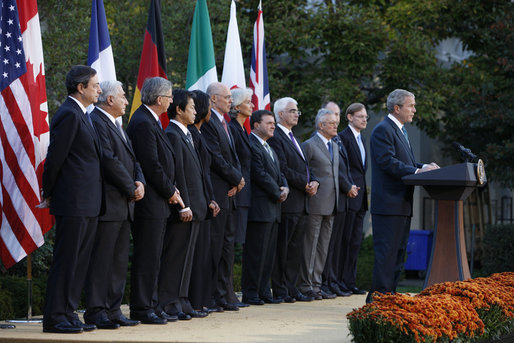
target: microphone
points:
(465, 153)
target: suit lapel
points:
(112, 127)
(87, 123)
(290, 142)
(322, 146)
(157, 128)
(192, 150)
(355, 147)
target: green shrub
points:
(498, 249)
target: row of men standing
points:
(95, 174)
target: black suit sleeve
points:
(114, 170)
(261, 177)
(145, 147)
(63, 130)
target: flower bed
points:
(463, 311)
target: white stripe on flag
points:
(205, 80)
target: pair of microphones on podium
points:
(465, 153)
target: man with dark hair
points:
(357, 156)
(391, 200)
(72, 185)
(123, 185)
(184, 224)
(227, 180)
(269, 189)
(302, 184)
(155, 154)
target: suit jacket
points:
(225, 167)
(294, 167)
(205, 159)
(266, 182)
(357, 169)
(155, 154)
(391, 159)
(327, 171)
(120, 169)
(191, 179)
(72, 174)
(244, 154)
(345, 179)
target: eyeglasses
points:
(167, 96)
(293, 111)
(361, 117)
(227, 97)
(331, 123)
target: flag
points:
(259, 70)
(24, 131)
(233, 69)
(153, 61)
(201, 66)
(99, 54)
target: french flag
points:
(259, 70)
(99, 55)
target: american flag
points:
(23, 131)
(259, 69)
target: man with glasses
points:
(155, 154)
(227, 180)
(322, 155)
(355, 145)
(302, 184)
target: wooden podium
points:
(449, 186)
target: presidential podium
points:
(449, 186)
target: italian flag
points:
(201, 65)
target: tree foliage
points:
(345, 51)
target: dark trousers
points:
(148, 237)
(390, 236)
(222, 243)
(176, 264)
(336, 252)
(200, 285)
(74, 239)
(105, 283)
(352, 239)
(258, 254)
(288, 254)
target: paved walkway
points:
(317, 321)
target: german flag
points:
(153, 61)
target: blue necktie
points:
(404, 130)
(330, 151)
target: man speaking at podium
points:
(391, 200)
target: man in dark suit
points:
(355, 146)
(269, 189)
(184, 224)
(226, 180)
(391, 200)
(322, 155)
(347, 189)
(72, 186)
(155, 154)
(123, 185)
(302, 184)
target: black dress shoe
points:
(183, 316)
(242, 304)
(104, 323)
(215, 309)
(149, 318)
(198, 314)
(85, 327)
(229, 307)
(62, 327)
(167, 316)
(313, 295)
(289, 300)
(327, 295)
(270, 300)
(124, 321)
(302, 297)
(254, 301)
(355, 290)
